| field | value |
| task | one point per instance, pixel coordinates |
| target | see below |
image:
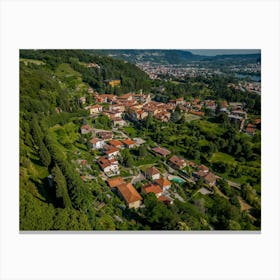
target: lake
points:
(255, 78)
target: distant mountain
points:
(156, 56)
(169, 56)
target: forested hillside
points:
(51, 83)
(132, 78)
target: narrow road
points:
(234, 184)
(122, 133)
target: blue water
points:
(255, 78)
(178, 180)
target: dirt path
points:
(244, 206)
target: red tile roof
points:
(204, 168)
(161, 151)
(257, 121)
(125, 96)
(164, 199)
(105, 134)
(104, 162)
(152, 171)
(95, 140)
(177, 161)
(210, 178)
(163, 182)
(128, 142)
(197, 113)
(85, 126)
(250, 130)
(129, 193)
(115, 143)
(96, 106)
(111, 150)
(152, 188)
(115, 182)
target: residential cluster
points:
(138, 106)
(192, 70)
(251, 87)
(157, 185)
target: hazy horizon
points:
(213, 52)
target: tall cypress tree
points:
(44, 154)
(61, 188)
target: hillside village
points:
(136, 107)
(104, 147)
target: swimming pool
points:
(178, 180)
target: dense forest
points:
(51, 84)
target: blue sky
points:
(223, 51)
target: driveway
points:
(138, 178)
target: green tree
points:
(61, 188)
(127, 158)
(44, 154)
(143, 151)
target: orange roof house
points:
(115, 182)
(130, 195)
(165, 200)
(210, 179)
(203, 168)
(197, 113)
(129, 143)
(152, 173)
(151, 188)
(163, 183)
(106, 135)
(161, 151)
(177, 162)
(97, 143)
(86, 129)
(115, 143)
(112, 152)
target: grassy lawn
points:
(241, 180)
(176, 82)
(222, 157)
(203, 142)
(33, 61)
(209, 127)
(132, 132)
(66, 134)
(146, 160)
(65, 70)
(190, 117)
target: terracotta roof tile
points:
(161, 151)
(152, 171)
(152, 188)
(177, 161)
(163, 182)
(129, 193)
(128, 142)
(115, 182)
(95, 140)
(115, 143)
